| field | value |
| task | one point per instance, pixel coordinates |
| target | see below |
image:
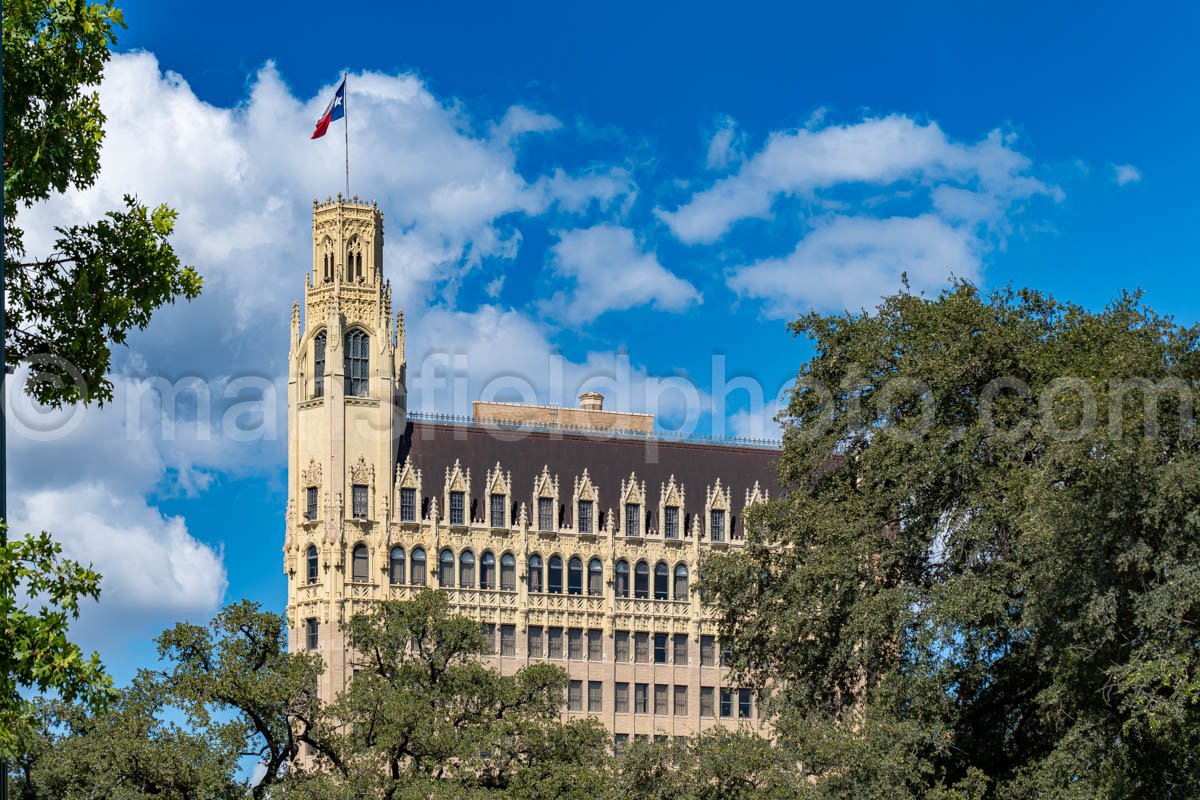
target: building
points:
(571, 534)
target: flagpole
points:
(345, 101)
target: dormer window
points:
(584, 522)
(498, 502)
(357, 363)
(458, 508)
(717, 525)
(408, 505)
(319, 342)
(545, 513)
(633, 519)
(671, 522)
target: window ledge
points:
(312, 402)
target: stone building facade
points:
(572, 535)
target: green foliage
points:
(968, 591)
(34, 650)
(102, 279)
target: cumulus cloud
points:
(849, 262)
(611, 272)
(1123, 174)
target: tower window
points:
(408, 505)
(498, 502)
(311, 564)
(671, 522)
(585, 516)
(545, 513)
(310, 633)
(457, 508)
(361, 564)
(357, 363)
(633, 519)
(358, 493)
(319, 342)
(310, 503)
(717, 525)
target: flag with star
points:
(334, 111)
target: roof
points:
(434, 444)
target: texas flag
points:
(335, 110)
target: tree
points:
(983, 579)
(102, 279)
(34, 649)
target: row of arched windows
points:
(543, 577)
(354, 261)
(357, 362)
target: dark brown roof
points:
(696, 465)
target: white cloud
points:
(849, 262)
(611, 272)
(1125, 174)
(877, 151)
(725, 145)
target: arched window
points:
(641, 581)
(396, 565)
(622, 578)
(681, 582)
(595, 577)
(466, 570)
(535, 574)
(662, 581)
(358, 265)
(417, 575)
(362, 563)
(508, 572)
(487, 570)
(319, 364)
(554, 576)
(446, 568)
(357, 362)
(310, 559)
(575, 575)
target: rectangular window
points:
(681, 703)
(489, 639)
(660, 699)
(575, 696)
(595, 696)
(706, 702)
(717, 525)
(359, 495)
(508, 640)
(726, 702)
(641, 698)
(546, 521)
(620, 742)
(458, 501)
(310, 633)
(708, 651)
(641, 647)
(621, 645)
(535, 642)
(595, 645)
(408, 505)
(310, 503)
(726, 653)
(585, 516)
(575, 643)
(554, 643)
(621, 697)
(499, 501)
(660, 648)
(633, 519)
(671, 522)
(681, 649)
(744, 704)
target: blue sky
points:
(588, 184)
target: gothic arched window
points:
(319, 364)
(466, 570)
(641, 581)
(662, 581)
(416, 575)
(362, 563)
(575, 576)
(310, 559)
(554, 576)
(446, 568)
(357, 362)
(681, 582)
(535, 573)
(396, 565)
(595, 577)
(622, 578)
(487, 571)
(508, 572)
